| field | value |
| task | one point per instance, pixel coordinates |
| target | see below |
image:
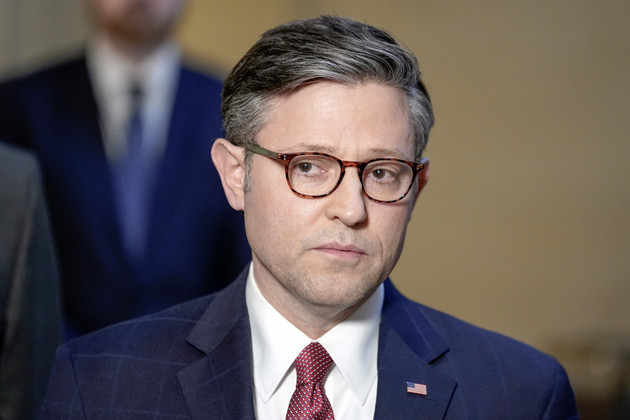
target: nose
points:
(347, 203)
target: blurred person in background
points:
(30, 328)
(123, 133)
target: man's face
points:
(327, 254)
(136, 21)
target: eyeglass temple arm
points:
(261, 151)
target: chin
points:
(337, 294)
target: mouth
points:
(345, 252)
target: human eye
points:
(384, 172)
(312, 168)
(305, 168)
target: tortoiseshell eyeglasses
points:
(316, 175)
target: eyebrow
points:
(372, 153)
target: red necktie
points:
(309, 401)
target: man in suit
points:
(326, 122)
(30, 329)
(123, 133)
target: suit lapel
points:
(188, 142)
(88, 115)
(79, 102)
(408, 345)
(170, 172)
(86, 173)
(219, 385)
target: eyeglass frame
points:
(416, 168)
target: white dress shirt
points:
(352, 344)
(112, 75)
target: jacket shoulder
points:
(456, 334)
(495, 374)
(63, 69)
(466, 340)
(127, 366)
(152, 337)
(201, 77)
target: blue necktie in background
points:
(132, 182)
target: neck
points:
(312, 312)
(312, 319)
(315, 322)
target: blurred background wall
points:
(525, 225)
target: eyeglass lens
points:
(316, 175)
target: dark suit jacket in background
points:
(195, 361)
(30, 327)
(196, 241)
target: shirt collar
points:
(109, 68)
(352, 344)
(112, 73)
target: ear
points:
(230, 163)
(422, 179)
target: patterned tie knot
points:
(309, 401)
(312, 364)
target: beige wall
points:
(37, 31)
(525, 225)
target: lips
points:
(348, 252)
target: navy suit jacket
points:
(195, 361)
(196, 241)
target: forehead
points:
(362, 120)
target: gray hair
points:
(328, 48)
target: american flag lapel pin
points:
(414, 388)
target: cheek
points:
(391, 225)
(273, 219)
